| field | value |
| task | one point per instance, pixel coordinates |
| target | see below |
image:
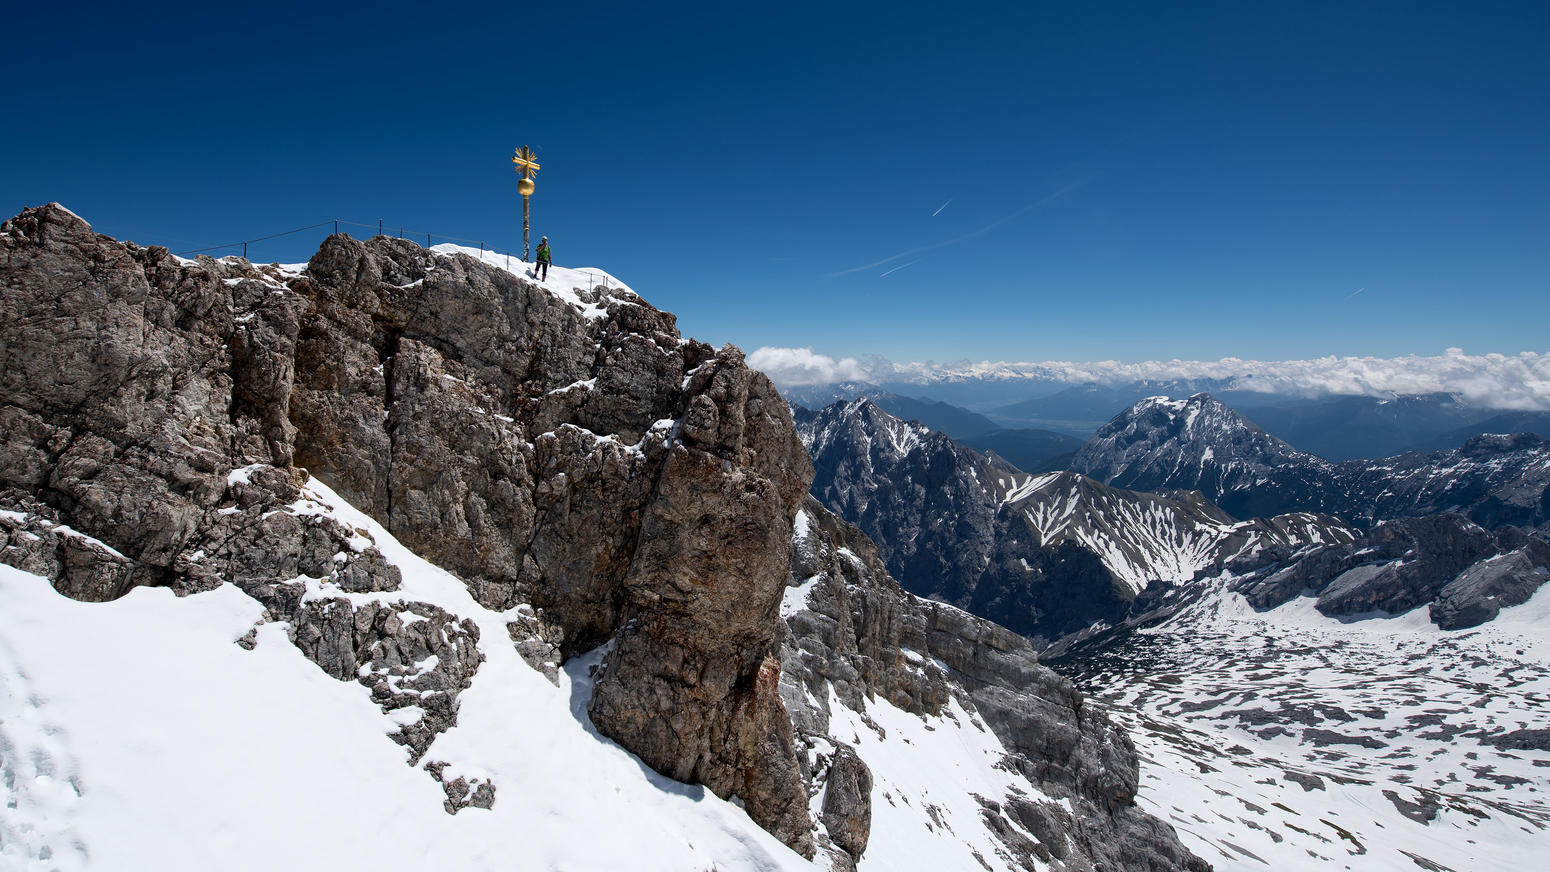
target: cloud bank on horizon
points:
(795, 367)
(1520, 381)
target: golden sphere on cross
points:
(525, 187)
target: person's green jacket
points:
(543, 254)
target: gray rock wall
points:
(159, 418)
(1462, 572)
(586, 460)
(857, 633)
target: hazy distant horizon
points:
(1517, 382)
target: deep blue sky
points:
(1126, 180)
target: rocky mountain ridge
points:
(1201, 444)
(598, 484)
(859, 644)
(1044, 555)
(497, 428)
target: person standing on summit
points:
(541, 265)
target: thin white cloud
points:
(941, 207)
(897, 268)
(1519, 381)
(1042, 201)
(794, 367)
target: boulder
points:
(1483, 590)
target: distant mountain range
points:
(1084, 408)
(1537, 423)
(1029, 449)
(1347, 428)
(1333, 427)
(1044, 555)
(1295, 677)
(1050, 555)
(1201, 444)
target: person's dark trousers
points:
(541, 269)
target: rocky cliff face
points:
(1201, 444)
(860, 647)
(929, 503)
(1463, 573)
(1044, 555)
(596, 482)
(564, 452)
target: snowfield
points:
(577, 286)
(1288, 740)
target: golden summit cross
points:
(527, 165)
(525, 162)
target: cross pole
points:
(528, 167)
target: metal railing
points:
(594, 280)
(336, 222)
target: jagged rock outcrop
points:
(847, 802)
(1480, 592)
(1464, 573)
(561, 450)
(856, 637)
(587, 473)
(1045, 555)
(690, 683)
(1201, 444)
(1421, 552)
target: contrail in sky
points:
(897, 268)
(941, 207)
(1354, 293)
(1042, 201)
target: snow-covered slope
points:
(185, 733)
(1285, 739)
(966, 739)
(138, 734)
(1144, 537)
